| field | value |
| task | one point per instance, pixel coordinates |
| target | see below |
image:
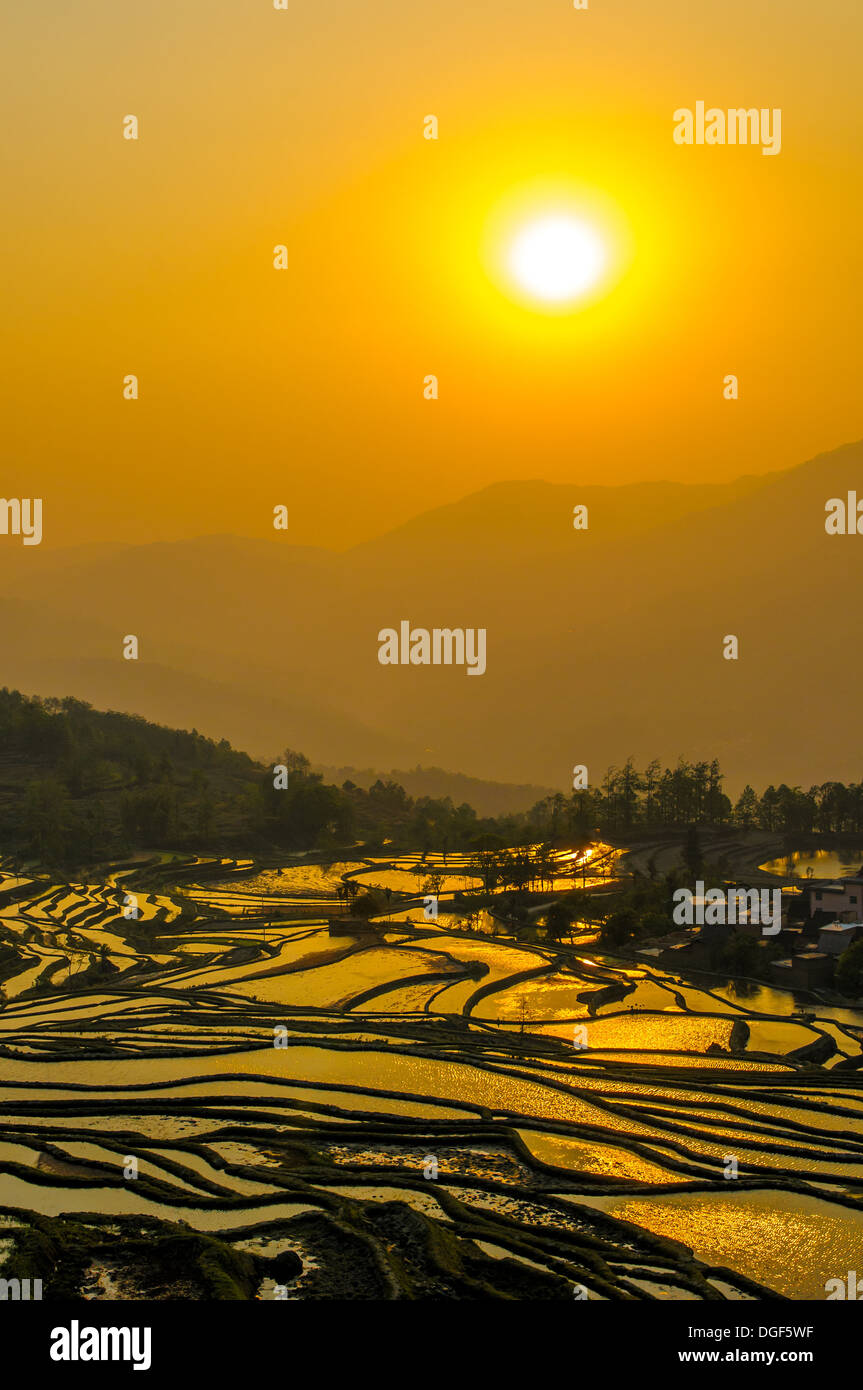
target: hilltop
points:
(79, 785)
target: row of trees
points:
(79, 784)
(831, 808)
(105, 782)
(692, 794)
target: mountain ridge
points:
(601, 643)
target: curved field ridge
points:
(419, 1113)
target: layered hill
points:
(601, 642)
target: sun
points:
(551, 249)
(556, 259)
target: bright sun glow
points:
(556, 259)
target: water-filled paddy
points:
(795, 1243)
(421, 1043)
(824, 863)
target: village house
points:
(836, 937)
(836, 898)
(808, 970)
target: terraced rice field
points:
(220, 1098)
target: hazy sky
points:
(305, 387)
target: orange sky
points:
(305, 387)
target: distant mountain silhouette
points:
(487, 798)
(601, 643)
